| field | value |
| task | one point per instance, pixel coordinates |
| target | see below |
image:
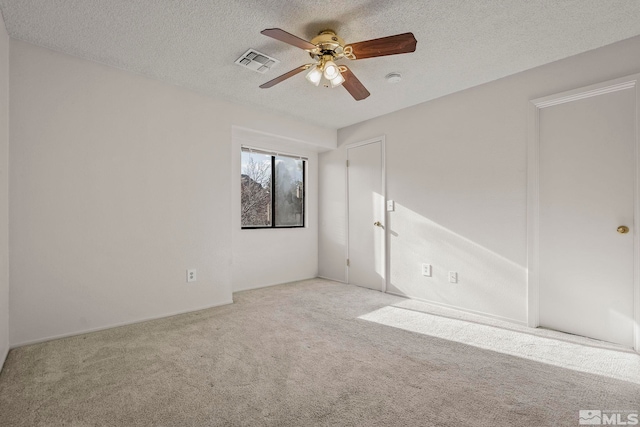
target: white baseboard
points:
(262, 285)
(116, 325)
(465, 310)
(3, 358)
(333, 280)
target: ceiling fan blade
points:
(353, 85)
(392, 45)
(285, 76)
(283, 36)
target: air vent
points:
(256, 61)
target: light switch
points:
(390, 206)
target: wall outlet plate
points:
(453, 277)
(191, 275)
(426, 270)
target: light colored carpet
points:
(316, 353)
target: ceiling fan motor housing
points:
(327, 43)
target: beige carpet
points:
(316, 353)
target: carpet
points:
(317, 353)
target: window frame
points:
(273, 155)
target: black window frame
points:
(273, 190)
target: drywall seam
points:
(8, 273)
(8, 136)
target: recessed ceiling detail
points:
(256, 61)
(194, 44)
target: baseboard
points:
(116, 325)
(3, 358)
(465, 310)
(260, 286)
(333, 280)
(453, 307)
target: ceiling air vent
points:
(256, 61)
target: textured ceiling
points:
(194, 43)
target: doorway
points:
(366, 245)
(583, 264)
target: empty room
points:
(296, 213)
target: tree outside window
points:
(272, 190)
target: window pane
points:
(289, 192)
(256, 190)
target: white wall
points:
(456, 167)
(264, 257)
(4, 192)
(119, 183)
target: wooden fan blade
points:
(353, 85)
(392, 45)
(283, 36)
(284, 77)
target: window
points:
(272, 189)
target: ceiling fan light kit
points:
(330, 70)
(337, 81)
(315, 75)
(327, 69)
(327, 47)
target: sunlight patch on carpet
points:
(615, 364)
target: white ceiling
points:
(194, 43)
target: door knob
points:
(623, 229)
(378, 224)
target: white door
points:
(366, 246)
(586, 192)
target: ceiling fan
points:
(327, 47)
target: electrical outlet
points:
(453, 277)
(426, 270)
(191, 275)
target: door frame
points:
(533, 192)
(385, 264)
